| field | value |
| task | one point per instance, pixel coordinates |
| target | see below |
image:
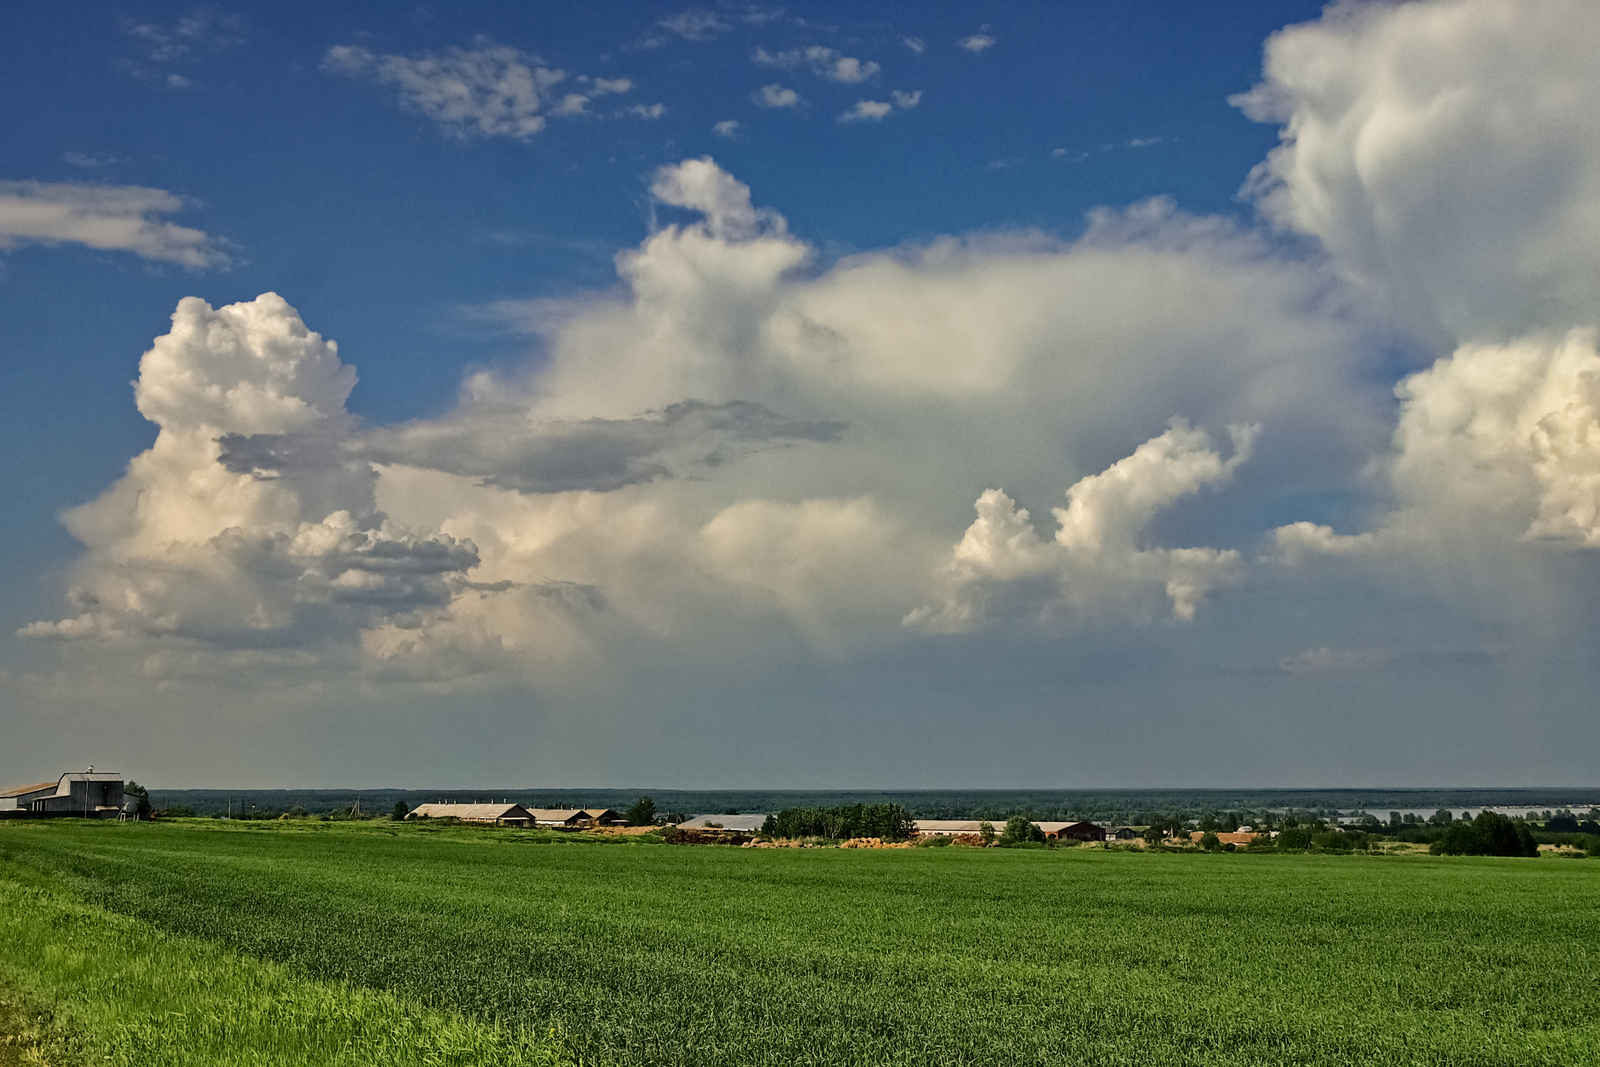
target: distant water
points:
(1106, 804)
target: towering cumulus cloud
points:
(1446, 155)
(192, 553)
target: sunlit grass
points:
(101, 988)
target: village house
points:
(85, 795)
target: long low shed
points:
(497, 814)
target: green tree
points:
(1295, 837)
(1020, 830)
(1490, 834)
(1152, 835)
(401, 810)
(1210, 841)
(986, 831)
(641, 812)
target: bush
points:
(1210, 841)
(401, 810)
(986, 831)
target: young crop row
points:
(650, 955)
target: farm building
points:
(85, 795)
(577, 817)
(749, 823)
(497, 814)
(1078, 831)
(946, 827)
(1121, 833)
(569, 817)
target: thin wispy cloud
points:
(977, 42)
(488, 90)
(124, 218)
(824, 62)
(694, 24)
(161, 47)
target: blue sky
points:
(721, 370)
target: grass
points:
(89, 986)
(643, 953)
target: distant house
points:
(1121, 833)
(85, 795)
(748, 823)
(496, 814)
(605, 817)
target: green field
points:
(507, 946)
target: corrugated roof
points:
(470, 812)
(558, 814)
(17, 792)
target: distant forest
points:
(1131, 806)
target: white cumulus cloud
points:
(866, 111)
(1444, 153)
(775, 95)
(188, 552)
(1494, 442)
(1096, 561)
(976, 42)
(736, 450)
